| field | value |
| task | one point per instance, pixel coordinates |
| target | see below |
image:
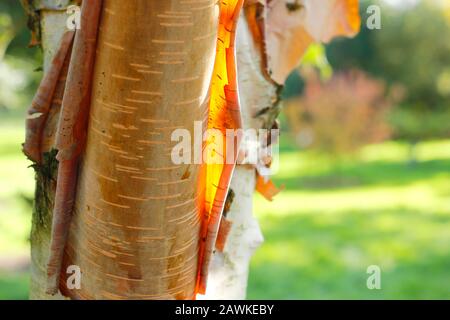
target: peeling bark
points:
(71, 135)
(224, 114)
(40, 106)
(259, 103)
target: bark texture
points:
(136, 225)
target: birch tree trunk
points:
(132, 224)
(242, 241)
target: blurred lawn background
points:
(385, 203)
(331, 223)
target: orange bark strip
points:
(48, 141)
(71, 134)
(255, 13)
(40, 106)
(267, 188)
(222, 235)
(62, 211)
(224, 113)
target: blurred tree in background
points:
(411, 53)
(339, 116)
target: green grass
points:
(322, 232)
(332, 222)
(16, 191)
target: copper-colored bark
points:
(71, 134)
(222, 235)
(136, 221)
(62, 213)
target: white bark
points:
(229, 269)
